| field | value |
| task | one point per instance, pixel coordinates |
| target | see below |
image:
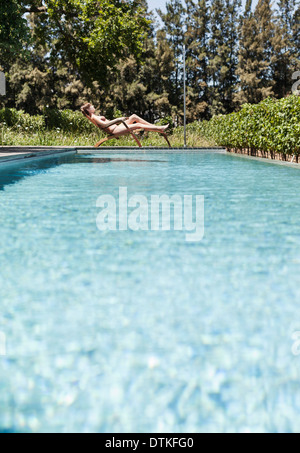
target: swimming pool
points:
(142, 331)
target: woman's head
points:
(88, 109)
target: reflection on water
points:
(12, 173)
(106, 160)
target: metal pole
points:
(184, 95)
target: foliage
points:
(69, 128)
(112, 53)
(92, 35)
(256, 33)
(20, 120)
(65, 120)
(13, 31)
(272, 125)
(284, 59)
(223, 49)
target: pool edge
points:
(21, 155)
(265, 160)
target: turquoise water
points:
(124, 331)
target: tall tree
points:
(296, 30)
(144, 85)
(174, 21)
(73, 45)
(217, 16)
(223, 54)
(90, 35)
(255, 52)
(230, 54)
(197, 26)
(284, 57)
(13, 31)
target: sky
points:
(153, 4)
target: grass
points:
(14, 136)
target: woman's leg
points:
(121, 129)
(136, 119)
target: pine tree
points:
(256, 33)
(296, 33)
(30, 83)
(223, 54)
(173, 21)
(197, 26)
(155, 73)
(284, 58)
(230, 54)
(144, 85)
(217, 12)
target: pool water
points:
(123, 331)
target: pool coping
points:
(266, 160)
(152, 149)
(15, 154)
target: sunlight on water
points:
(142, 331)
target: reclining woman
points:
(134, 122)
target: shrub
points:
(18, 119)
(65, 120)
(271, 125)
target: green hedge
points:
(66, 120)
(18, 119)
(272, 125)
